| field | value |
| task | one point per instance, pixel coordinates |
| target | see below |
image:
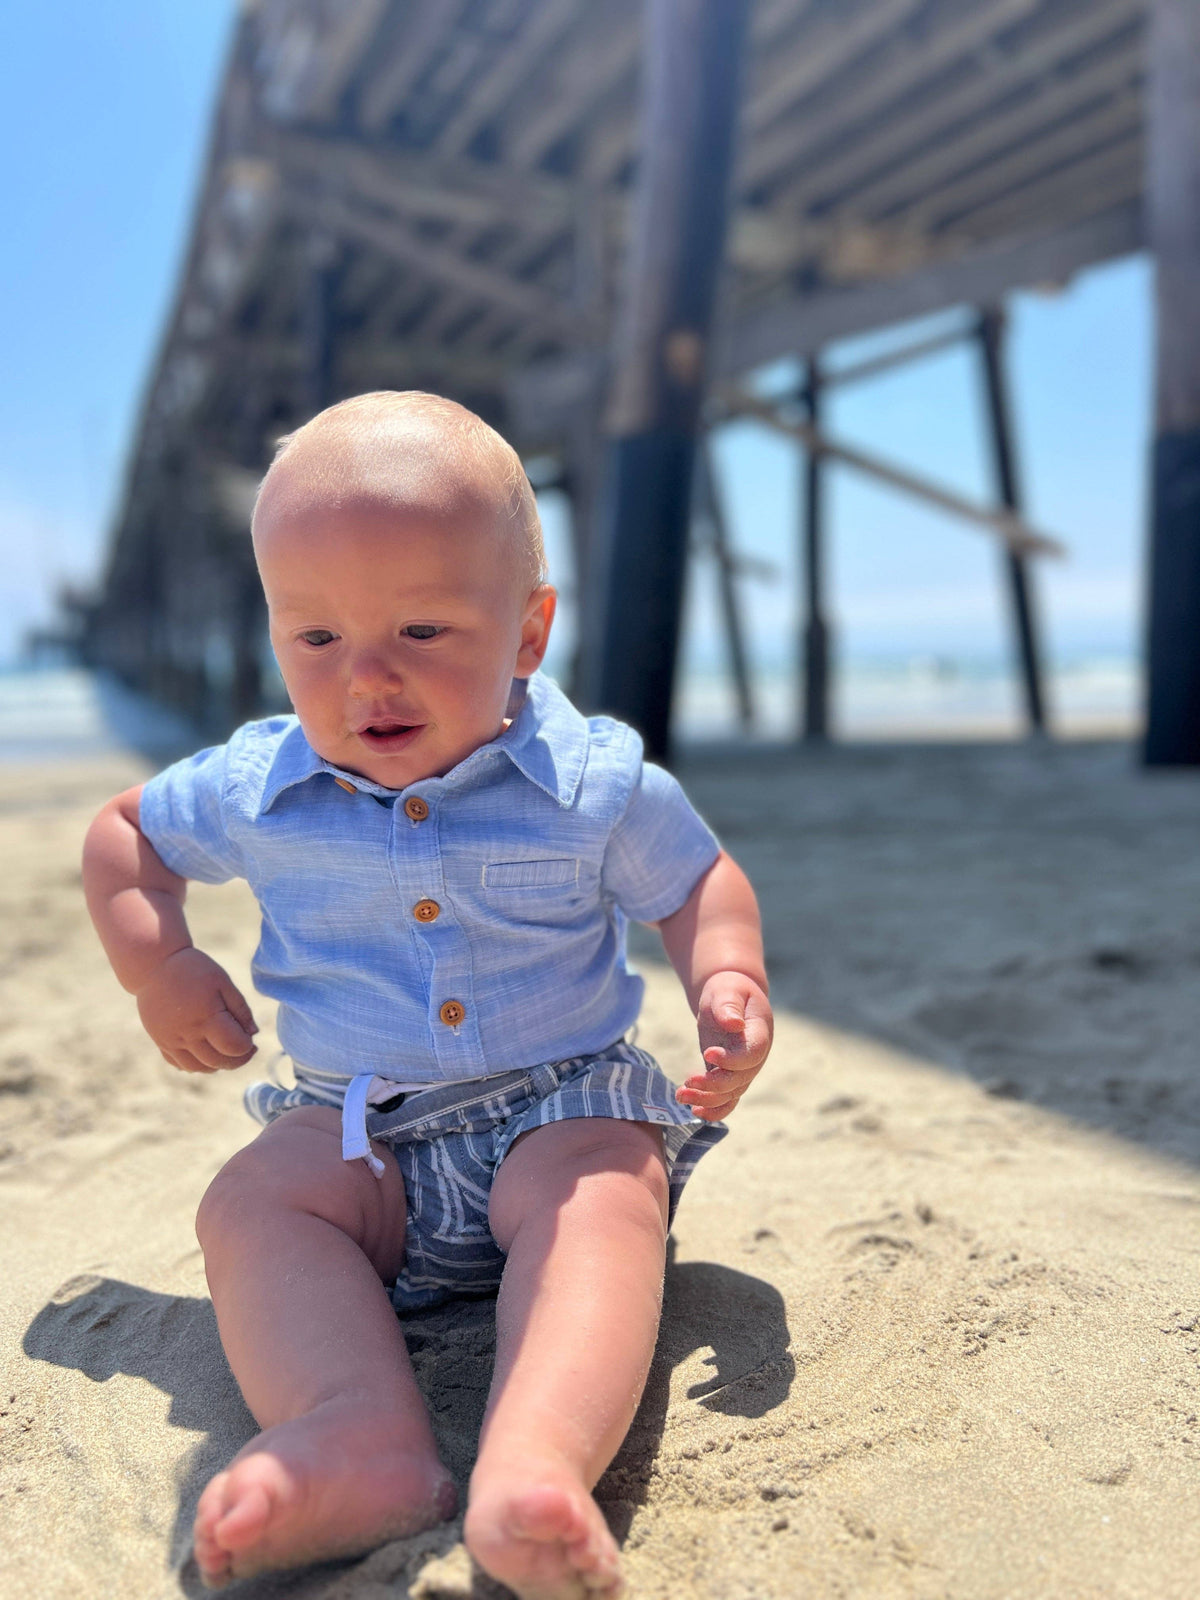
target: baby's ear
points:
(535, 629)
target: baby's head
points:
(399, 546)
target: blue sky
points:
(103, 117)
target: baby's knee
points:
(294, 1165)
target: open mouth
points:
(389, 735)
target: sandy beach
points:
(933, 1315)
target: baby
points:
(445, 853)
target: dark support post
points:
(318, 332)
(1172, 192)
(814, 643)
(991, 344)
(691, 78)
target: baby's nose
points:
(370, 668)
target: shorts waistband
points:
(409, 1110)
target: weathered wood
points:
(871, 368)
(1016, 566)
(867, 131)
(426, 24)
(1028, 126)
(305, 69)
(805, 322)
(983, 274)
(433, 262)
(916, 60)
(693, 50)
(814, 643)
(544, 28)
(1173, 211)
(1012, 530)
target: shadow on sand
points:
(102, 1327)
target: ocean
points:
(56, 714)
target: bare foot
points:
(336, 1482)
(540, 1532)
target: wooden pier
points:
(590, 220)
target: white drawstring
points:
(355, 1144)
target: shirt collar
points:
(547, 742)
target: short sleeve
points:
(182, 815)
(658, 851)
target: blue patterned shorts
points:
(450, 1141)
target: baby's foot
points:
(539, 1531)
(336, 1482)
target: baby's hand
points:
(195, 1014)
(736, 1028)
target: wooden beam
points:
(1173, 210)
(1039, 159)
(420, 186)
(433, 261)
(426, 24)
(632, 604)
(307, 54)
(831, 378)
(913, 60)
(1012, 530)
(538, 395)
(979, 275)
(930, 183)
(870, 132)
(545, 25)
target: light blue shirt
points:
(533, 851)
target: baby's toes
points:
(212, 1558)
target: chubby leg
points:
(297, 1246)
(580, 1208)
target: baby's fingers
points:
(228, 1041)
(235, 1004)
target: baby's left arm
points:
(714, 942)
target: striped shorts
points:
(449, 1142)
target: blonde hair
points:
(392, 445)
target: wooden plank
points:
(582, 83)
(1038, 161)
(1090, 185)
(430, 260)
(542, 393)
(426, 23)
(1011, 529)
(979, 275)
(835, 377)
(417, 185)
(544, 28)
(307, 54)
(914, 61)
(976, 152)
(868, 137)
(879, 130)
(820, 53)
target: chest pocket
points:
(558, 872)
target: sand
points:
(933, 1315)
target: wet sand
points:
(933, 1316)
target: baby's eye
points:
(317, 636)
(423, 630)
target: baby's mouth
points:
(389, 734)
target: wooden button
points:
(344, 783)
(416, 808)
(427, 911)
(452, 1013)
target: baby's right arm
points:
(189, 1005)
